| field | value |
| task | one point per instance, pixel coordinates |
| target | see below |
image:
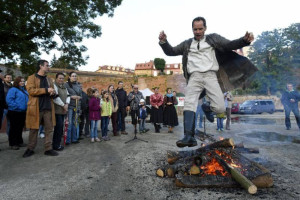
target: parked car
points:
(235, 108)
(257, 107)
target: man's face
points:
(135, 88)
(8, 79)
(198, 30)
(290, 87)
(45, 67)
(120, 85)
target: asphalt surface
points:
(115, 170)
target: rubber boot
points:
(208, 112)
(189, 130)
(156, 128)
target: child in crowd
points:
(106, 111)
(220, 119)
(94, 115)
(142, 116)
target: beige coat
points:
(34, 90)
(114, 108)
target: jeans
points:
(201, 113)
(72, 129)
(142, 125)
(104, 125)
(295, 110)
(41, 130)
(7, 121)
(94, 128)
(58, 131)
(121, 119)
(220, 123)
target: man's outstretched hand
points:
(162, 36)
(249, 37)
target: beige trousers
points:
(48, 126)
(199, 81)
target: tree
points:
(29, 27)
(274, 54)
(61, 63)
(160, 64)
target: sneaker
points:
(92, 140)
(108, 138)
(222, 129)
(28, 153)
(97, 140)
(42, 135)
(51, 153)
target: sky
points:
(131, 35)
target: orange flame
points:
(213, 167)
(221, 138)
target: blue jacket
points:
(17, 99)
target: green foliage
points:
(62, 62)
(29, 27)
(160, 64)
(276, 54)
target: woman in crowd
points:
(156, 101)
(94, 114)
(74, 90)
(16, 99)
(114, 104)
(170, 114)
(106, 111)
(61, 102)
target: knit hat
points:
(142, 101)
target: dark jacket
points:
(6, 89)
(74, 89)
(2, 101)
(287, 96)
(17, 99)
(234, 69)
(134, 102)
(84, 102)
(122, 97)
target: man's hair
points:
(60, 73)
(120, 82)
(7, 75)
(40, 62)
(199, 19)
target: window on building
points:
(168, 66)
(176, 66)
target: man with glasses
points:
(202, 57)
(134, 98)
(40, 108)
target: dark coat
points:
(234, 69)
(287, 96)
(2, 101)
(122, 97)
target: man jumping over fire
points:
(205, 59)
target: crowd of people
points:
(65, 113)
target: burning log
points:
(172, 156)
(238, 177)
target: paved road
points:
(115, 170)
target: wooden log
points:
(238, 177)
(173, 156)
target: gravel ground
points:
(115, 170)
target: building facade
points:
(112, 70)
(148, 68)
